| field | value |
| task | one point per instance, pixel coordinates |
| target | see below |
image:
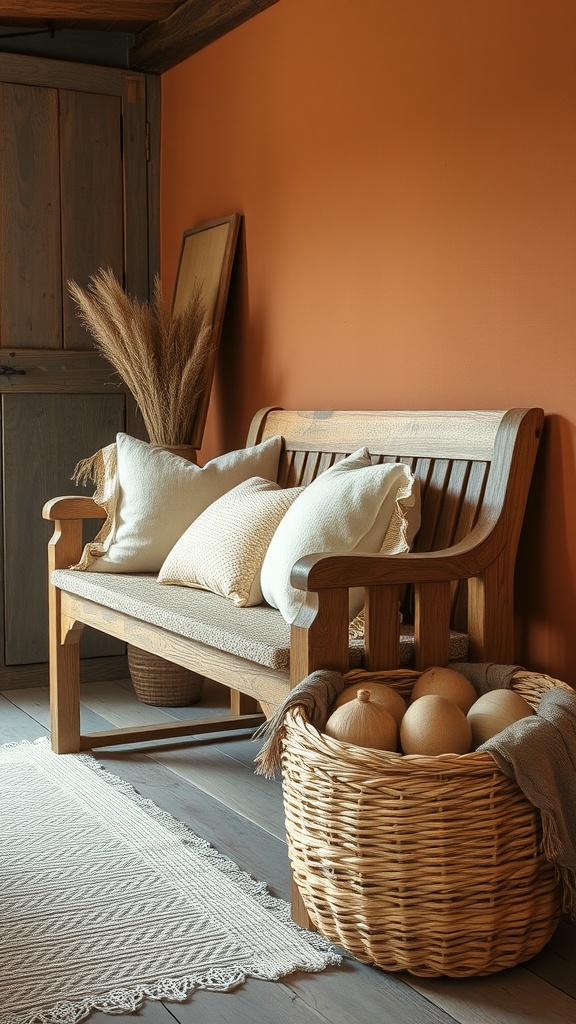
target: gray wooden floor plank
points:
(16, 725)
(515, 996)
(255, 1002)
(556, 963)
(358, 992)
(34, 703)
(228, 781)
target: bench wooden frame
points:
(474, 469)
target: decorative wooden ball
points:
(445, 682)
(363, 722)
(435, 725)
(494, 711)
(380, 693)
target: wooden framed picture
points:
(206, 260)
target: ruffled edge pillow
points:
(353, 506)
(151, 497)
(223, 549)
(399, 538)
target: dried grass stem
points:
(164, 360)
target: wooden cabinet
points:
(78, 191)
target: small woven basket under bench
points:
(431, 865)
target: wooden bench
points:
(474, 469)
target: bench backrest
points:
(468, 463)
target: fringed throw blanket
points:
(106, 901)
(314, 696)
(101, 468)
(539, 752)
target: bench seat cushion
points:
(258, 634)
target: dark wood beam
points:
(87, 10)
(193, 25)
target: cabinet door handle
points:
(9, 371)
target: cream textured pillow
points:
(350, 507)
(151, 496)
(224, 547)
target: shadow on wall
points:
(243, 382)
(545, 631)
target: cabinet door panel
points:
(30, 267)
(44, 436)
(92, 214)
(77, 184)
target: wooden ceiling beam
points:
(87, 10)
(193, 25)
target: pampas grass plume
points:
(163, 359)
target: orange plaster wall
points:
(406, 173)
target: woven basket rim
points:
(475, 761)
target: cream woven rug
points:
(106, 901)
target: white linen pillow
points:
(223, 549)
(349, 507)
(151, 497)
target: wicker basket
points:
(160, 682)
(431, 865)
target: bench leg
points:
(65, 700)
(319, 638)
(491, 614)
(64, 548)
(433, 603)
(65, 688)
(299, 912)
(243, 704)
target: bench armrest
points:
(460, 561)
(320, 632)
(67, 513)
(72, 507)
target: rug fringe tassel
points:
(119, 1000)
(130, 1000)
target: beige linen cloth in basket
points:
(539, 752)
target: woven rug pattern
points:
(105, 900)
